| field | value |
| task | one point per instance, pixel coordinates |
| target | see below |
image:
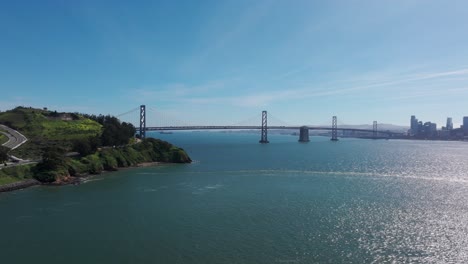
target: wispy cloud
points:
(434, 93)
(215, 92)
(392, 83)
(176, 92)
(215, 38)
(442, 74)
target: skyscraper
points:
(414, 125)
(465, 125)
(449, 125)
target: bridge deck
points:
(174, 128)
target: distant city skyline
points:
(224, 61)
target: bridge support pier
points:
(142, 121)
(334, 129)
(304, 134)
(264, 136)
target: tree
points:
(52, 157)
(3, 154)
(53, 161)
(109, 135)
(114, 132)
(86, 146)
(82, 146)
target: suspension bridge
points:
(263, 127)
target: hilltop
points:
(45, 128)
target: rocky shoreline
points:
(75, 180)
(19, 185)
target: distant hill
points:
(44, 128)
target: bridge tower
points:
(374, 129)
(334, 129)
(142, 121)
(304, 134)
(264, 138)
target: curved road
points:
(15, 138)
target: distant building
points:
(433, 129)
(429, 129)
(465, 125)
(449, 125)
(444, 134)
(414, 126)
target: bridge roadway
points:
(174, 128)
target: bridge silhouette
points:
(264, 128)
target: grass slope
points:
(3, 139)
(15, 174)
(43, 128)
(37, 123)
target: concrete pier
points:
(304, 134)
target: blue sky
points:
(221, 62)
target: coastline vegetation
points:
(55, 167)
(16, 173)
(3, 154)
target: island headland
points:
(64, 148)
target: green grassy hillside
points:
(44, 128)
(15, 174)
(49, 125)
(3, 139)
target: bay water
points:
(352, 201)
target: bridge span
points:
(166, 128)
(303, 130)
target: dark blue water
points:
(352, 201)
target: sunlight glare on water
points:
(352, 201)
